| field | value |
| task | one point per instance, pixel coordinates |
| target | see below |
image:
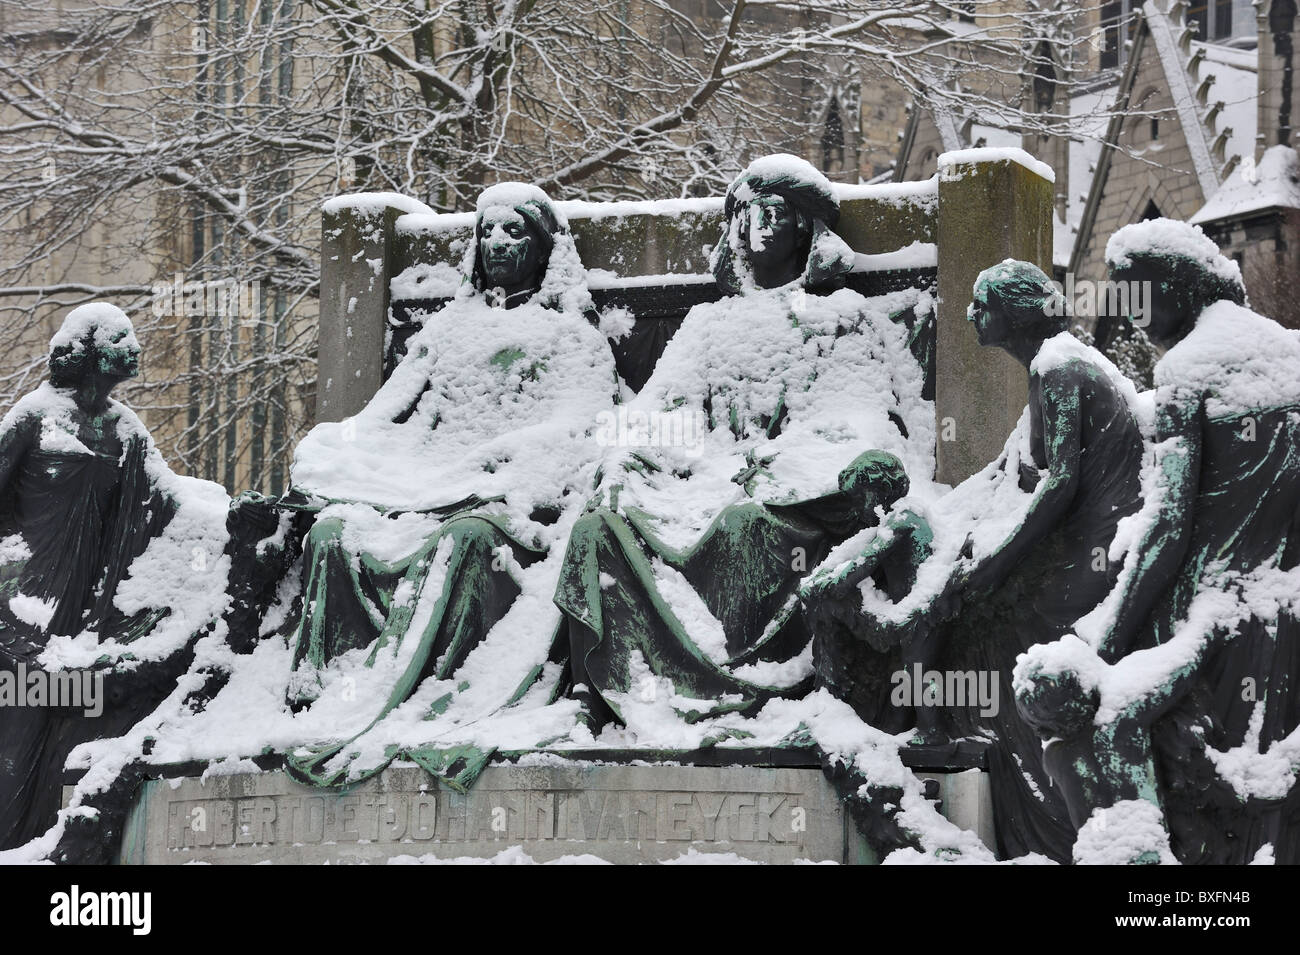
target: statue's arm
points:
(14, 442)
(829, 600)
(867, 562)
(1156, 559)
(1061, 417)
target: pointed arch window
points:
(1045, 78)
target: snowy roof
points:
(1273, 184)
(982, 134)
(1214, 89)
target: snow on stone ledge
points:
(374, 203)
(917, 255)
(605, 279)
(425, 280)
(992, 154)
(427, 222)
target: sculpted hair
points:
(1057, 704)
(1194, 284)
(1024, 292)
(883, 472)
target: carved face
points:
(770, 234)
(120, 357)
(508, 250)
(991, 323)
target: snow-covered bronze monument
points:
(680, 579)
(645, 529)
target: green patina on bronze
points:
(1229, 508)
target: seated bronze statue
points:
(435, 506)
(679, 583)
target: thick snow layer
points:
(923, 193)
(1169, 237)
(1122, 834)
(1069, 654)
(962, 157)
(504, 401)
(1238, 359)
(837, 370)
(1267, 775)
(1064, 348)
(509, 195)
(434, 223)
(438, 280)
(783, 166)
(374, 203)
(640, 207)
(916, 255)
(105, 320)
(1273, 184)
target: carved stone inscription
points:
(620, 813)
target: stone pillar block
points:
(993, 205)
(356, 262)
